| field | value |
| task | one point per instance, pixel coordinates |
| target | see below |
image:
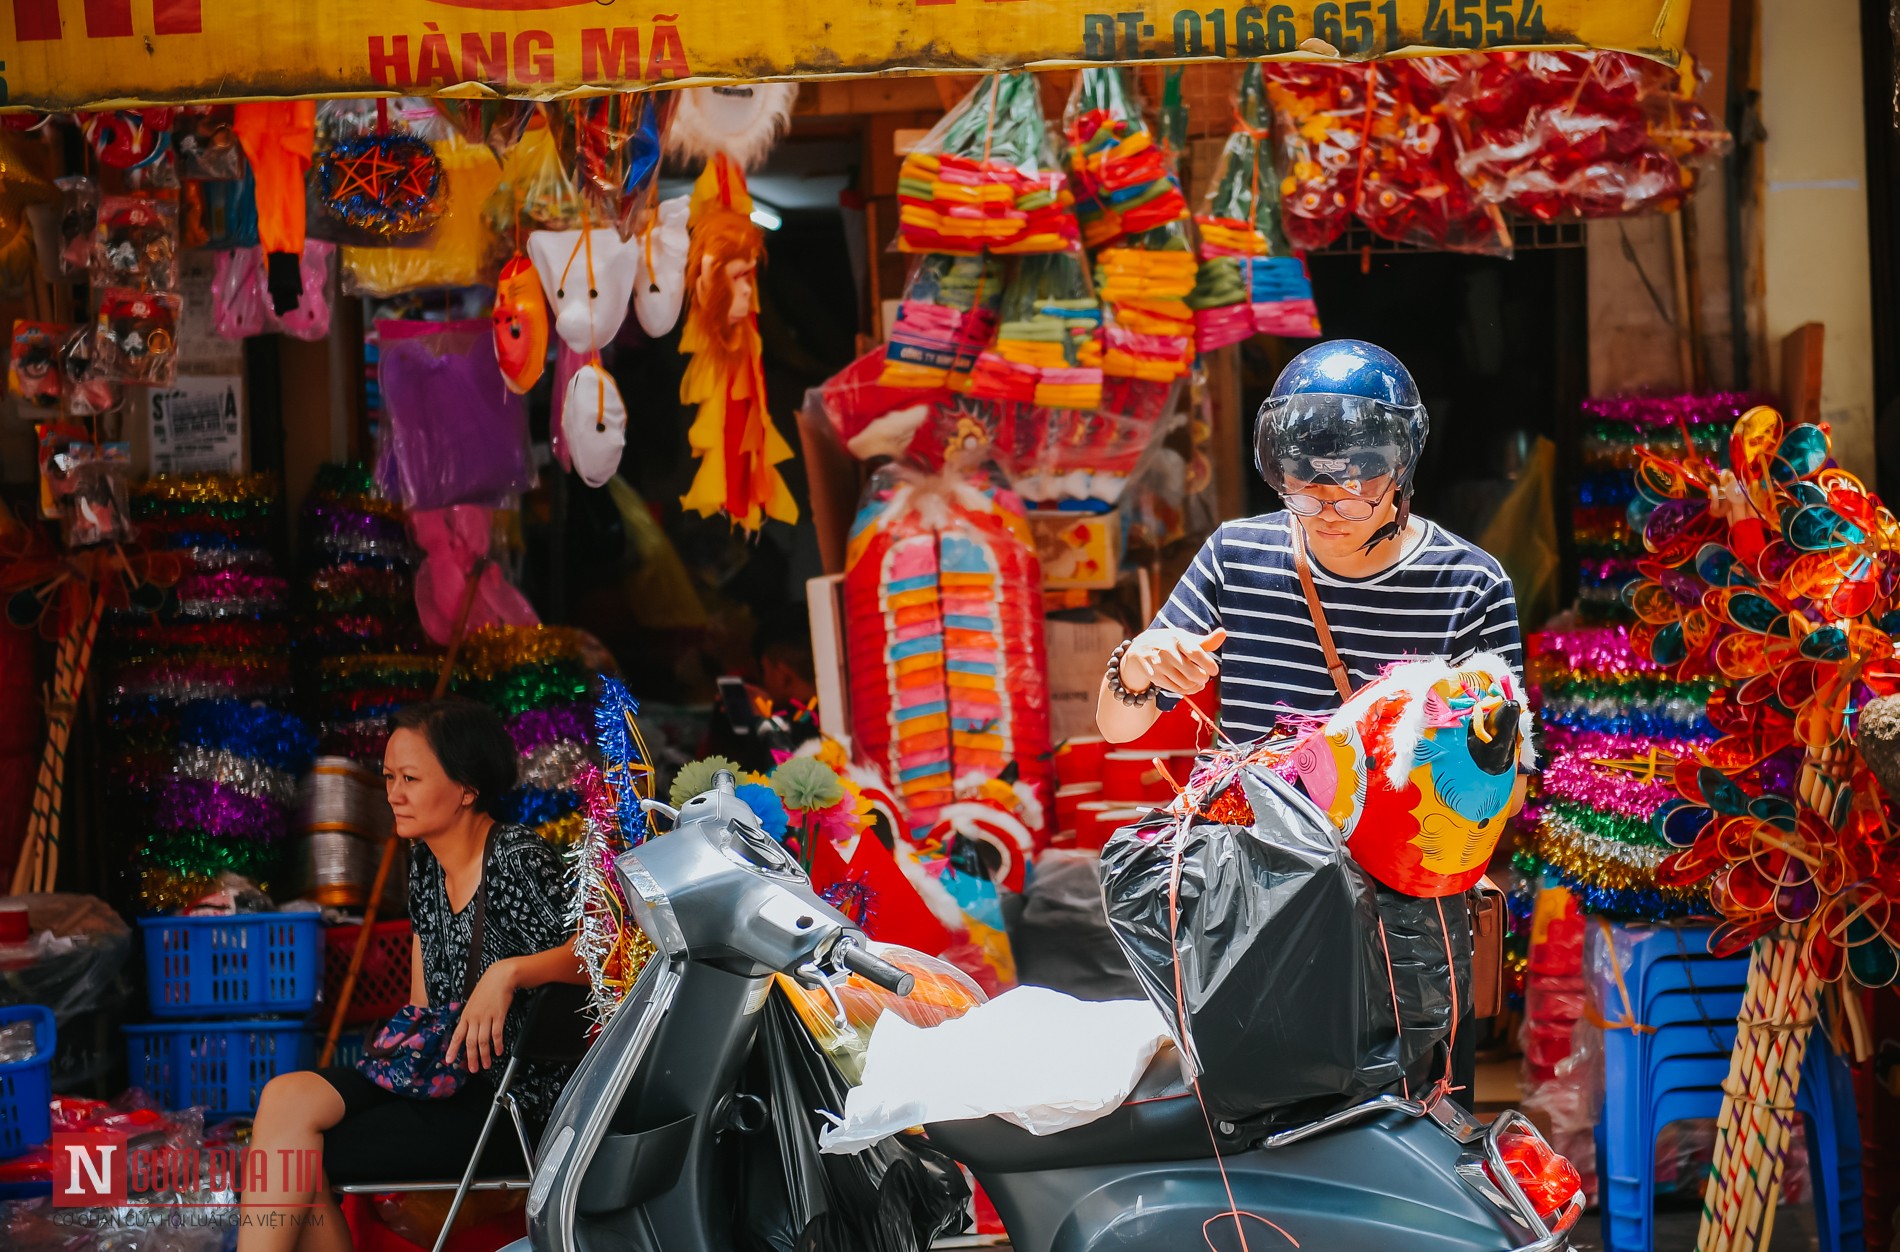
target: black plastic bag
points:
(1277, 939)
(899, 1196)
(1430, 957)
(1062, 940)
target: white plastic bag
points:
(1038, 1058)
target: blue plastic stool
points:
(1682, 1084)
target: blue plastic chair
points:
(1683, 1081)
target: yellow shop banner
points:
(69, 54)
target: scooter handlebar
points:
(861, 961)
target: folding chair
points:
(555, 1032)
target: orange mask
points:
(521, 325)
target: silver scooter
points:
(638, 1152)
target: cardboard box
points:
(1078, 550)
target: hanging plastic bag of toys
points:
(617, 153)
(34, 374)
(986, 177)
(137, 336)
(537, 189)
(1319, 118)
(1581, 134)
(206, 143)
(90, 391)
(1410, 189)
(1250, 281)
(135, 243)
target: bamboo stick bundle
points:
(38, 866)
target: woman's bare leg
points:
(292, 1115)
(327, 1231)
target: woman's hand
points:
(478, 1032)
(1175, 660)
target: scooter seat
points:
(1168, 1128)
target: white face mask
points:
(586, 317)
(594, 420)
(660, 291)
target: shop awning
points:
(72, 54)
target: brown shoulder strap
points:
(1341, 678)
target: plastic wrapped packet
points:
(90, 390)
(1409, 187)
(986, 178)
(137, 336)
(135, 243)
(241, 303)
(617, 146)
(17, 1043)
(1249, 280)
(946, 317)
(207, 144)
(537, 189)
(942, 584)
(1320, 119)
(942, 993)
(1048, 345)
(78, 220)
(88, 483)
(1066, 458)
(33, 366)
(1584, 134)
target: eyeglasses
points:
(1346, 508)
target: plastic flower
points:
(765, 805)
(807, 785)
(696, 777)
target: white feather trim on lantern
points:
(743, 121)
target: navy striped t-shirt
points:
(1444, 597)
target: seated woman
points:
(447, 767)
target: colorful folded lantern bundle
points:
(1249, 281)
(985, 178)
(1581, 134)
(1125, 181)
(1134, 219)
(1048, 347)
(947, 316)
(943, 631)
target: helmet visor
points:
(1338, 441)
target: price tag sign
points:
(197, 425)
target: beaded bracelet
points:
(1134, 699)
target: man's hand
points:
(1174, 660)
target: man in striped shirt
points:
(1339, 439)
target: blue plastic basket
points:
(247, 963)
(221, 1066)
(26, 1089)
